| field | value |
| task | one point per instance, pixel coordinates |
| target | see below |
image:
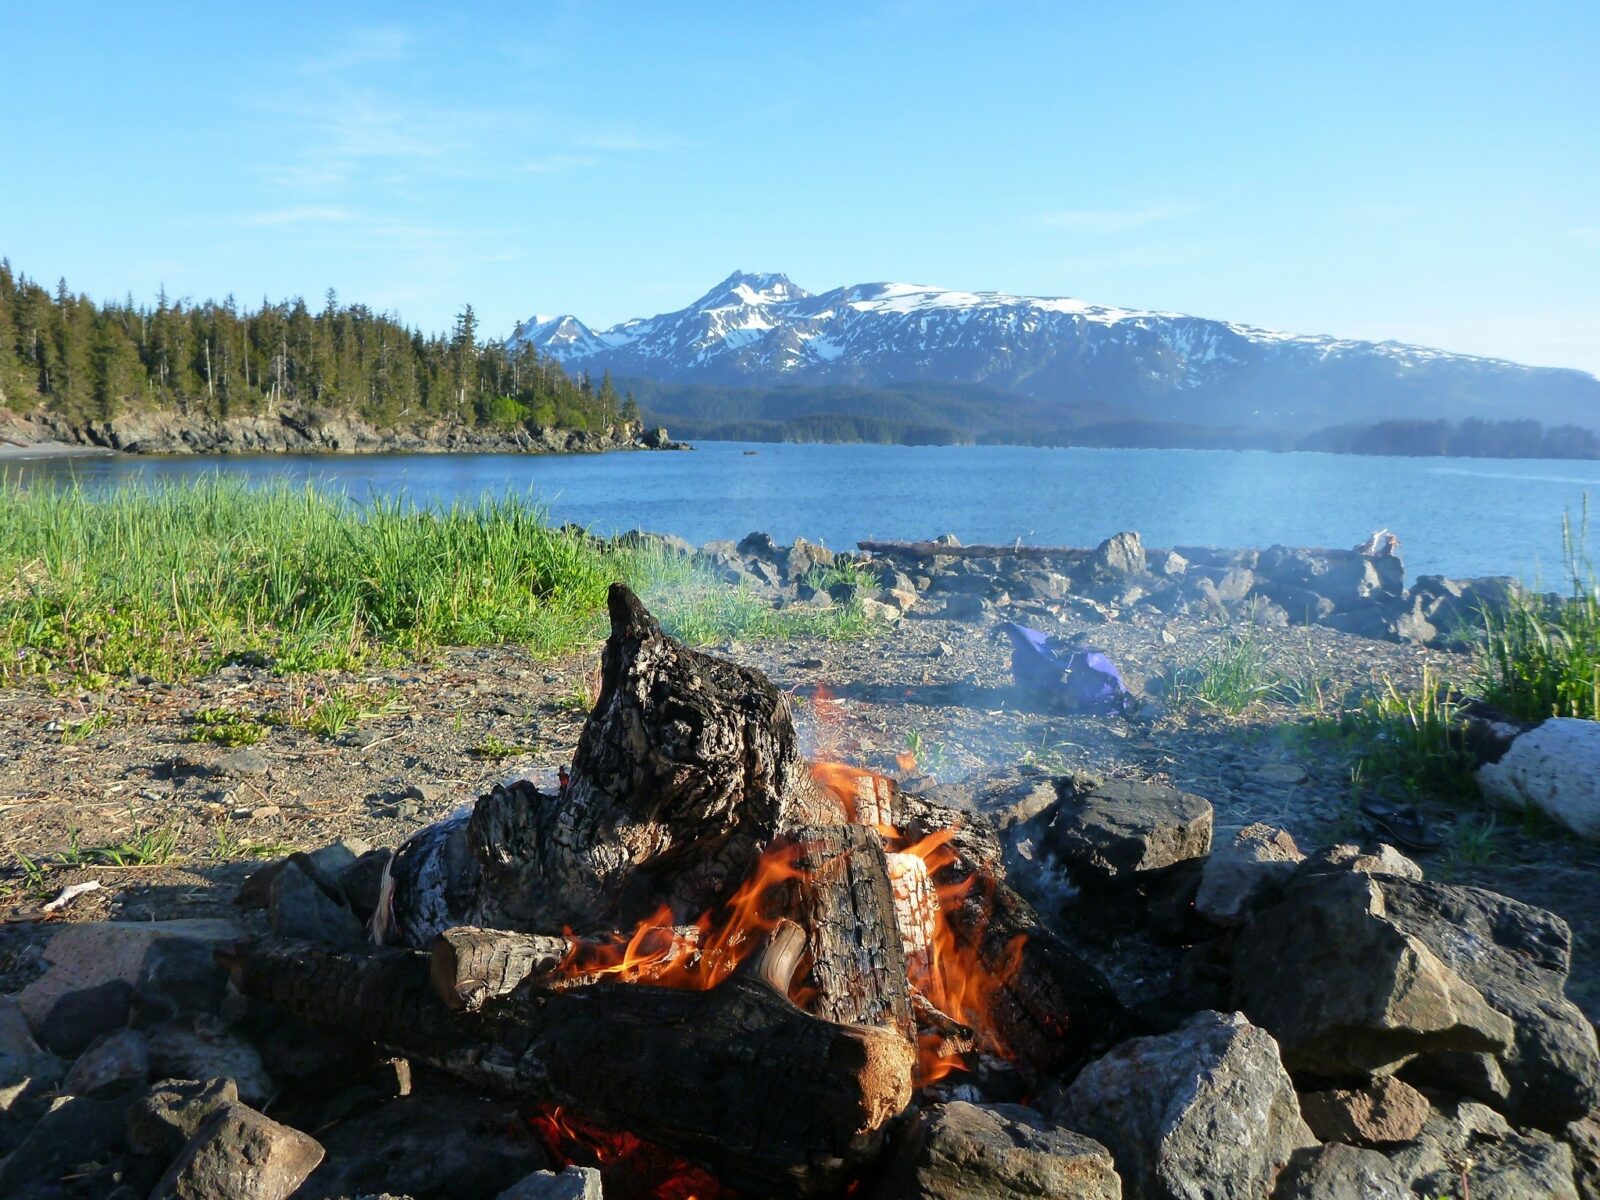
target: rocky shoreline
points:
(300, 430)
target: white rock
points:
(1554, 767)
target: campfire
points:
(715, 968)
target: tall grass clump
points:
(1233, 675)
(1541, 655)
(175, 578)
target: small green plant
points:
(1474, 839)
(78, 731)
(339, 710)
(229, 847)
(927, 758)
(150, 849)
(1541, 657)
(1051, 754)
(33, 881)
(576, 699)
(225, 728)
(1232, 676)
(497, 747)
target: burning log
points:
(847, 909)
(812, 1097)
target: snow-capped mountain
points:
(761, 330)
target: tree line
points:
(89, 361)
(1472, 438)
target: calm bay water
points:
(1454, 516)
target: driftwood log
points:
(687, 767)
(765, 1096)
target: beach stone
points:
(398, 1148)
(179, 1050)
(876, 610)
(238, 1154)
(1119, 554)
(77, 1018)
(573, 1183)
(300, 908)
(1207, 1110)
(86, 955)
(1254, 865)
(1119, 829)
(1584, 1139)
(1169, 563)
(758, 545)
(79, 1135)
(963, 1151)
(244, 763)
(1554, 768)
(1518, 958)
(1501, 1163)
(163, 1119)
(179, 977)
(1385, 860)
(805, 557)
(1384, 1112)
(118, 1060)
(1340, 1172)
(1345, 990)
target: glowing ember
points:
(630, 1167)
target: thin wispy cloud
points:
(1114, 220)
(304, 214)
(362, 47)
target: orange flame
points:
(630, 1167)
(695, 957)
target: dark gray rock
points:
(179, 977)
(239, 1154)
(300, 908)
(1518, 957)
(162, 1120)
(962, 1151)
(1118, 830)
(397, 1148)
(78, 1018)
(1584, 1139)
(573, 1183)
(79, 1137)
(118, 1061)
(244, 763)
(1119, 554)
(1499, 1163)
(758, 545)
(362, 881)
(1255, 865)
(203, 1050)
(804, 557)
(1205, 1111)
(1340, 1172)
(1346, 991)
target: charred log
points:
(812, 1097)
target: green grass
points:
(229, 847)
(177, 579)
(496, 747)
(1233, 676)
(153, 848)
(225, 728)
(1542, 659)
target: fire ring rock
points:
(1116, 830)
(1207, 1110)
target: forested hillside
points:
(1471, 438)
(87, 361)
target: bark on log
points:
(473, 966)
(846, 907)
(686, 769)
(737, 1078)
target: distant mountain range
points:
(893, 361)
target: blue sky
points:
(1417, 171)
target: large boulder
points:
(1382, 1113)
(962, 1151)
(1555, 768)
(1120, 555)
(1205, 1111)
(1518, 958)
(1117, 830)
(1348, 992)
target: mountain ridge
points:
(761, 330)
